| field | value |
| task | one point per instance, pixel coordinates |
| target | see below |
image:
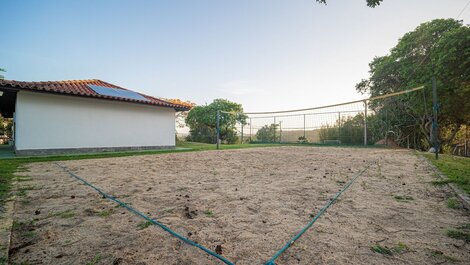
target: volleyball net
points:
(388, 119)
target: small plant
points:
(384, 250)
(106, 213)
(19, 224)
(404, 198)
(381, 250)
(461, 233)
(23, 178)
(440, 182)
(95, 260)
(21, 193)
(302, 140)
(169, 210)
(144, 224)
(25, 201)
(401, 247)
(453, 203)
(29, 234)
(209, 213)
(440, 255)
(64, 214)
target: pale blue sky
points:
(267, 55)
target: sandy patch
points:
(249, 201)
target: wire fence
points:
(325, 124)
(361, 122)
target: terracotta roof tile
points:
(81, 88)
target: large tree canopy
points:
(440, 49)
(202, 121)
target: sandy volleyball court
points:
(248, 201)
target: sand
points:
(248, 201)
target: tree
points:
(267, 133)
(180, 116)
(439, 48)
(370, 3)
(202, 121)
(2, 70)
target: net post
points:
(365, 122)
(242, 131)
(218, 128)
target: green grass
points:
(461, 232)
(29, 234)
(404, 198)
(400, 247)
(453, 203)
(209, 213)
(144, 224)
(106, 213)
(440, 255)
(457, 169)
(384, 250)
(64, 214)
(381, 250)
(20, 224)
(95, 260)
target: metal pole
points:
(304, 128)
(365, 122)
(218, 129)
(242, 133)
(280, 131)
(339, 126)
(466, 140)
(434, 123)
(250, 130)
(275, 134)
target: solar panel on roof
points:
(116, 92)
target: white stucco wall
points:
(46, 121)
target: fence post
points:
(250, 132)
(242, 133)
(217, 128)
(304, 129)
(339, 126)
(280, 131)
(274, 128)
(365, 122)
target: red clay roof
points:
(80, 88)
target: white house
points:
(85, 116)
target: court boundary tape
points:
(208, 251)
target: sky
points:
(268, 55)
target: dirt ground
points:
(249, 201)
